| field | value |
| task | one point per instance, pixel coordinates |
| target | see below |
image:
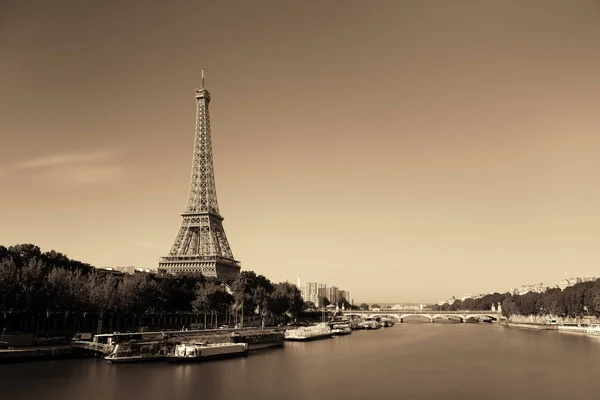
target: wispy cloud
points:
(75, 168)
(62, 160)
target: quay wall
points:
(541, 319)
(66, 325)
(574, 329)
(39, 353)
(532, 326)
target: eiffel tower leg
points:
(178, 240)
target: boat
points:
(341, 329)
(369, 324)
(593, 330)
(136, 352)
(204, 351)
(259, 340)
(114, 359)
(571, 328)
(387, 322)
(354, 325)
(320, 331)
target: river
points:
(407, 361)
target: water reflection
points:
(426, 361)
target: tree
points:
(364, 306)
(9, 289)
(102, 296)
(509, 308)
(211, 297)
(137, 294)
(552, 302)
(22, 253)
(309, 305)
(177, 292)
(285, 298)
(252, 291)
(63, 288)
(343, 303)
(33, 286)
(375, 306)
(528, 304)
(457, 305)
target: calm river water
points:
(408, 361)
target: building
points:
(322, 293)
(344, 294)
(125, 270)
(565, 283)
(110, 271)
(332, 294)
(314, 292)
(318, 292)
(201, 244)
(535, 288)
(133, 270)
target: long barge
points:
(317, 332)
(156, 346)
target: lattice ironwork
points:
(201, 244)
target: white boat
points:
(321, 331)
(203, 351)
(136, 352)
(593, 330)
(369, 324)
(571, 328)
(341, 329)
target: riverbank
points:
(40, 353)
(572, 329)
(532, 326)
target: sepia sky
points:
(402, 150)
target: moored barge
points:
(321, 331)
(203, 351)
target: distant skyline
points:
(407, 151)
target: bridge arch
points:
(483, 315)
(428, 316)
(395, 316)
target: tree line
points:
(579, 300)
(34, 283)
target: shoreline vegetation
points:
(575, 305)
(35, 286)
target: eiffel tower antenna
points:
(201, 244)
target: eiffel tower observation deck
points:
(201, 244)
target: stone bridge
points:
(399, 315)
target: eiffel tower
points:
(201, 244)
